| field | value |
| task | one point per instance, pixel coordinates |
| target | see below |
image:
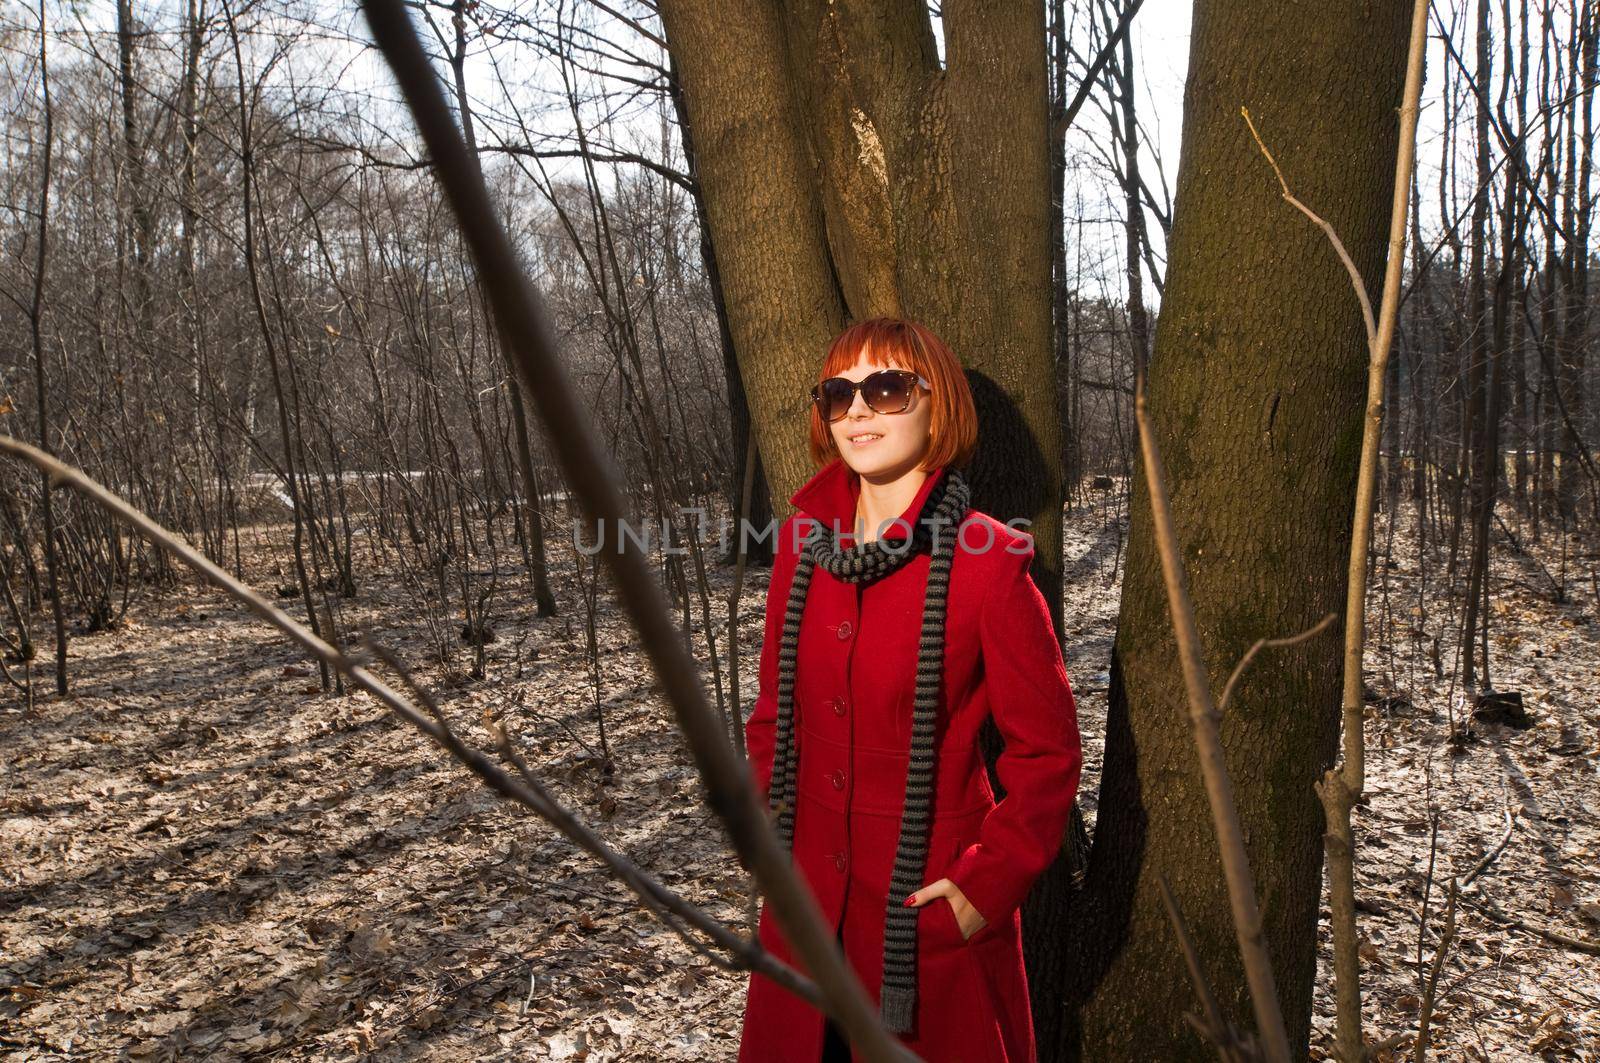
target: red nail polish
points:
(908, 902)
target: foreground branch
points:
(1213, 763)
(1230, 1044)
(525, 791)
(589, 471)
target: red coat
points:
(854, 693)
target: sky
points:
(1161, 52)
(497, 71)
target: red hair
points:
(897, 343)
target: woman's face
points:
(882, 445)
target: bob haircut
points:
(897, 343)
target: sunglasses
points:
(885, 391)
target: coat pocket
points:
(938, 922)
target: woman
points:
(897, 620)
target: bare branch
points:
(520, 309)
(1208, 743)
(1333, 237)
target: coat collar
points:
(830, 496)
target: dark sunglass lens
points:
(837, 394)
(887, 392)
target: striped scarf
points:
(934, 531)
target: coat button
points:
(838, 706)
(838, 779)
(844, 629)
(838, 861)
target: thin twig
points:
(1211, 1024)
(1430, 990)
(1290, 640)
(1493, 854)
(1333, 236)
(1427, 893)
(1091, 74)
(1555, 937)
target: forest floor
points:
(203, 856)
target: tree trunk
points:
(843, 182)
(1256, 386)
(1478, 357)
(139, 215)
(1061, 288)
(41, 389)
(761, 551)
(1578, 220)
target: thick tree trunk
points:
(741, 427)
(845, 173)
(1256, 387)
(764, 212)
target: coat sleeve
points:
(760, 731)
(1031, 700)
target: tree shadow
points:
(1078, 914)
(1101, 909)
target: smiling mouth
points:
(865, 438)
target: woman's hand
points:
(968, 918)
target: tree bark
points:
(1256, 387)
(846, 173)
